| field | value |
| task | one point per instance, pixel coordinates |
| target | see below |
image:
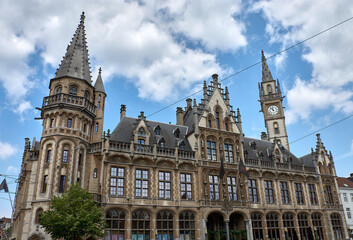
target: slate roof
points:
(76, 62)
(255, 147)
(344, 183)
(123, 132)
(98, 86)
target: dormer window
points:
(246, 155)
(162, 143)
(73, 90)
(177, 133)
(157, 130)
(141, 132)
(182, 146)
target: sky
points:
(156, 52)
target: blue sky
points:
(156, 52)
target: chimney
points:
(188, 103)
(122, 111)
(180, 116)
(264, 136)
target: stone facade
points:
(163, 181)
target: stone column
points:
(248, 226)
(203, 226)
(227, 228)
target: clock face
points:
(272, 110)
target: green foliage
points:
(73, 215)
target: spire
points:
(76, 62)
(98, 86)
(266, 73)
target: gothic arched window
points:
(256, 221)
(141, 225)
(187, 225)
(115, 220)
(165, 226)
(275, 127)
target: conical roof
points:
(76, 62)
(99, 86)
(266, 73)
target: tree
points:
(73, 215)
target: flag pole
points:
(10, 201)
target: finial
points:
(215, 77)
(82, 17)
(100, 70)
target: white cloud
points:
(127, 38)
(12, 170)
(7, 150)
(329, 54)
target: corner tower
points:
(271, 106)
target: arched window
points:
(317, 224)
(256, 221)
(38, 215)
(115, 220)
(288, 224)
(87, 94)
(269, 88)
(187, 225)
(99, 101)
(337, 226)
(58, 89)
(165, 225)
(279, 141)
(141, 221)
(303, 225)
(96, 127)
(141, 132)
(95, 173)
(45, 182)
(73, 90)
(272, 226)
(217, 120)
(275, 127)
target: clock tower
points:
(271, 106)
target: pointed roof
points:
(76, 62)
(99, 86)
(266, 73)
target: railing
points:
(186, 154)
(71, 100)
(271, 96)
(96, 147)
(140, 148)
(119, 146)
(279, 166)
(33, 155)
(165, 151)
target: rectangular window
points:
(348, 210)
(117, 180)
(228, 153)
(312, 194)
(141, 183)
(85, 127)
(211, 151)
(52, 122)
(345, 198)
(48, 156)
(185, 186)
(285, 192)
(214, 187)
(62, 183)
(164, 185)
(232, 188)
(45, 182)
(65, 156)
(269, 191)
(329, 195)
(253, 197)
(69, 121)
(299, 193)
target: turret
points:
(99, 96)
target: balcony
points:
(67, 100)
(271, 96)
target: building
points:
(5, 223)
(345, 186)
(175, 181)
